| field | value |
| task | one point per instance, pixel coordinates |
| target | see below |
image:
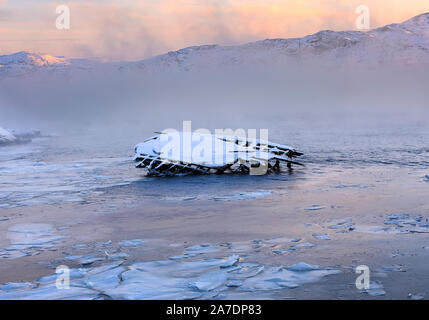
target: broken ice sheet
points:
(275, 278)
(74, 274)
(29, 235)
(230, 261)
(104, 280)
(29, 239)
(167, 279)
(209, 281)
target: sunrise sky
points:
(132, 30)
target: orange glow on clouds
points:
(125, 29)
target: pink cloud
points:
(128, 29)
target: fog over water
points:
(340, 118)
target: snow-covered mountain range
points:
(404, 43)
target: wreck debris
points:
(167, 154)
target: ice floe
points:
(275, 278)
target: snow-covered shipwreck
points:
(168, 154)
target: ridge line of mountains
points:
(405, 43)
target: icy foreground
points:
(195, 274)
(405, 43)
(169, 280)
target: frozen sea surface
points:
(78, 200)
